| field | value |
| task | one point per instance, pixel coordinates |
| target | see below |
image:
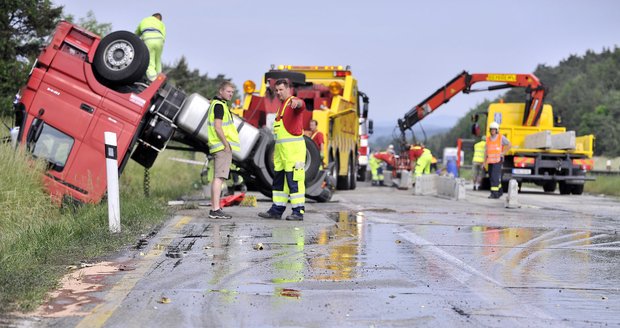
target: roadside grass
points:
(38, 241)
(608, 185)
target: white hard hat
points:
(494, 125)
(391, 146)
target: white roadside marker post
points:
(114, 210)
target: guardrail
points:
(604, 172)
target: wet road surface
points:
(374, 257)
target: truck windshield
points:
(53, 146)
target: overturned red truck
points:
(82, 86)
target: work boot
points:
(274, 213)
(219, 214)
(295, 217)
(270, 215)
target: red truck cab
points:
(69, 102)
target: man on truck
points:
(496, 147)
(153, 32)
(289, 157)
(223, 138)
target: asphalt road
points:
(373, 257)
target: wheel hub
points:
(119, 55)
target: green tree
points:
(192, 81)
(24, 24)
(90, 23)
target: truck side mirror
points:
(370, 127)
(474, 118)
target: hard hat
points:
(391, 146)
(494, 125)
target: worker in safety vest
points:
(223, 139)
(375, 169)
(422, 157)
(153, 32)
(317, 137)
(478, 161)
(289, 157)
(496, 147)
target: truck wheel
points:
(361, 173)
(549, 186)
(342, 181)
(313, 159)
(352, 173)
(564, 188)
(121, 58)
(577, 189)
(325, 196)
(294, 77)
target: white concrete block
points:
(387, 178)
(564, 140)
(538, 140)
(426, 185)
(512, 200)
(405, 180)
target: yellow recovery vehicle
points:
(332, 98)
(541, 152)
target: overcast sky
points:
(400, 51)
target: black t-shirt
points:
(218, 110)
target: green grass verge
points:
(608, 185)
(38, 241)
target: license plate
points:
(521, 171)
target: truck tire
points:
(549, 186)
(121, 58)
(313, 159)
(565, 188)
(577, 189)
(361, 173)
(294, 77)
(325, 196)
(352, 173)
(342, 181)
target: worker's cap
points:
(494, 125)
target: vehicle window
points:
(53, 146)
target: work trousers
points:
(156, 47)
(495, 176)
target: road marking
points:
(113, 299)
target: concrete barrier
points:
(538, 140)
(449, 187)
(512, 200)
(426, 185)
(442, 186)
(564, 140)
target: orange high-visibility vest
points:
(494, 149)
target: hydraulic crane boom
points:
(535, 94)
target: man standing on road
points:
(223, 138)
(375, 169)
(289, 157)
(478, 161)
(496, 147)
(153, 32)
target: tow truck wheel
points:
(352, 173)
(121, 58)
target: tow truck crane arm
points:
(535, 94)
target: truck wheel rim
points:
(118, 55)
